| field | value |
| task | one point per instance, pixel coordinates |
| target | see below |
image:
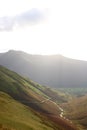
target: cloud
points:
(6, 23)
(32, 15)
(29, 17)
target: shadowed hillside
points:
(55, 71)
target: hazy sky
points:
(44, 27)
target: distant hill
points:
(54, 71)
(26, 105)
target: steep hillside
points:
(19, 96)
(16, 116)
(55, 71)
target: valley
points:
(20, 97)
(58, 103)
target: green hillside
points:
(19, 88)
(27, 91)
(25, 105)
(14, 115)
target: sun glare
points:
(64, 30)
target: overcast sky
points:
(44, 27)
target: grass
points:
(12, 83)
(17, 116)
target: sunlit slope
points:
(18, 116)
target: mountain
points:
(54, 71)
(26, 105)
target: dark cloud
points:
(32, 16)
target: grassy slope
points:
(30, 94)
(16, 115)
(19, 88)
(76, 110)
(26, 91)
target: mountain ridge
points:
(55, 70)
